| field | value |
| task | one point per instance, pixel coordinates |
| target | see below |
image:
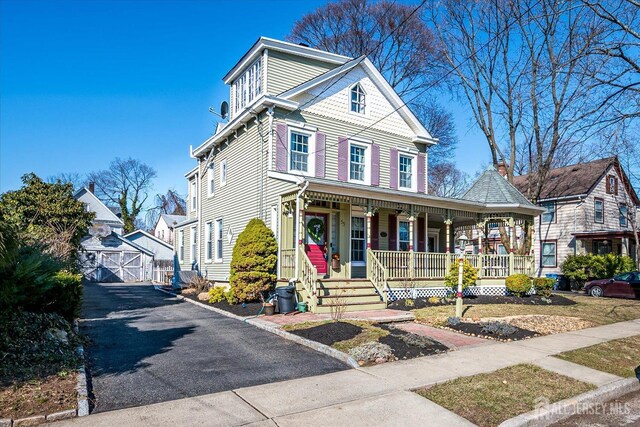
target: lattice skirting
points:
(413, 293)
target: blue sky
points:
(83, 82)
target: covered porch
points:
(352, 237)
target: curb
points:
(558, 411)
(81, 387)
(321, 348)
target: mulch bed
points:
(244, 309)
(558, 300)
(406, 345)
(39, 396)
(329, 333)
(475, 330)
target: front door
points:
(316, 240)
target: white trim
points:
(367, 162)
(362, 263)
(224, 172)
(265, 74)
(193, 195)
(151, 236)
(414, 170)
(364, 113)
(191, 173)
(218, 231)
(435, 233)
(211, 172)
(193, 241)
(281, 46)
(311, 150)
(207, 240)
(301, 125)
(85, 189)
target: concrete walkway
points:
(451, 339)
(377, 395)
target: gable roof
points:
(421, 133)
(492, 188)
(110, 215)
(133, 244)
(150, 236)
(575, 180)
(173, 220)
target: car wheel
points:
(596, 291)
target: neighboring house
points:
(107, 255)
(322, 149)
(588, 209)
(164, 228)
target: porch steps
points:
(354, 294)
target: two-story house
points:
(588, 208)
(324, 151)
(164, 228)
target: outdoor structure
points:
(588, 208)
(321, 148)
(164, 228)
(160, 267)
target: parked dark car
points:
(625, 285)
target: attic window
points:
(247, 86)
(612, 184)
(358, 97)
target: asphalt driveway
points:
(147, 347)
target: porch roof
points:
(603, 234)
(381, 197)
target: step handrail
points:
(377, 274)
(308, 277)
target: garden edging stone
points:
(81, 388)
(325, 349)
(558, 411)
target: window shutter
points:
(320, 154)
(615, 180)
(343, 159)
(281, 147)
(607, 185)
(393, 232)
(421, 165)
(375, 232)
(421, 235)
(375, 165)
(393, 169)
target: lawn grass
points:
(370, 332)
(600, 311)
(489, 399)
(618, 357)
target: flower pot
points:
(269, 309)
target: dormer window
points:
(358, 97)
(247, 87)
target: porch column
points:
(512, 240)
(412, 261)
(532, 252)
(447, 223)
(624, 247)
(480, 227)
(299, 237)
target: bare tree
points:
(170, 203)
(126, 183)
(440, 124)
(445, 180)
(392, 35)
(77, 180)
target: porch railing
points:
(495, 266)
(287, 263)
(377, 274)
(523, 264)
(308, 277)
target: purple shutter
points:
(343, 159)
(393, 169)
(393, 232)
(375, 164)
(320, 154)
(421, 165)
(281, 147)
(375, 232)
(421, 235)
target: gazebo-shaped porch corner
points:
(347, 242)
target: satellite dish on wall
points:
(224, 109)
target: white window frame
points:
(504, 249)
(211, 187)
(181, 246)
(194, 244)
(367, 161)
(218, 233)
(364, 240)
(361, 103)
(545, 206)
(555, 254)
(248, 86)
(311, 151)
(193, 191)
(400, 220)
(595, 211)
(208, 246)
(223, 173)
(623, 216)
(414, 171)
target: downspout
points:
(199, 207)
(297, 228)
(575, 226)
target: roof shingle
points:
(493, 188)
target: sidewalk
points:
(377, 395)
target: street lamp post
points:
(462, 241)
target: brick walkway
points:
(386, 315)
(450, 339)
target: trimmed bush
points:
(543, 286)
(580, 268)
(518, 284)
(216, 295)
(469, 275)
(253, 262)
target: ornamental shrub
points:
(469, 275)
(253, 262)
(579, 268)
(576, 269)
(518, 284)
(216, 295)
(543, 286)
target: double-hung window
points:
(299, 149)
(598, 214)
(194, 195)
(223, 173)
(358, 98)
(357, 240)
(218, 239)
(247, 86)
(210, 181)
(194, 244)
(181, 246)
(209, 241)
(404, 237)
(624, 215)
(548, 257)
(406, 173)
(357, 163)
(549, 214)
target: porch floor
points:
(384, 316)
